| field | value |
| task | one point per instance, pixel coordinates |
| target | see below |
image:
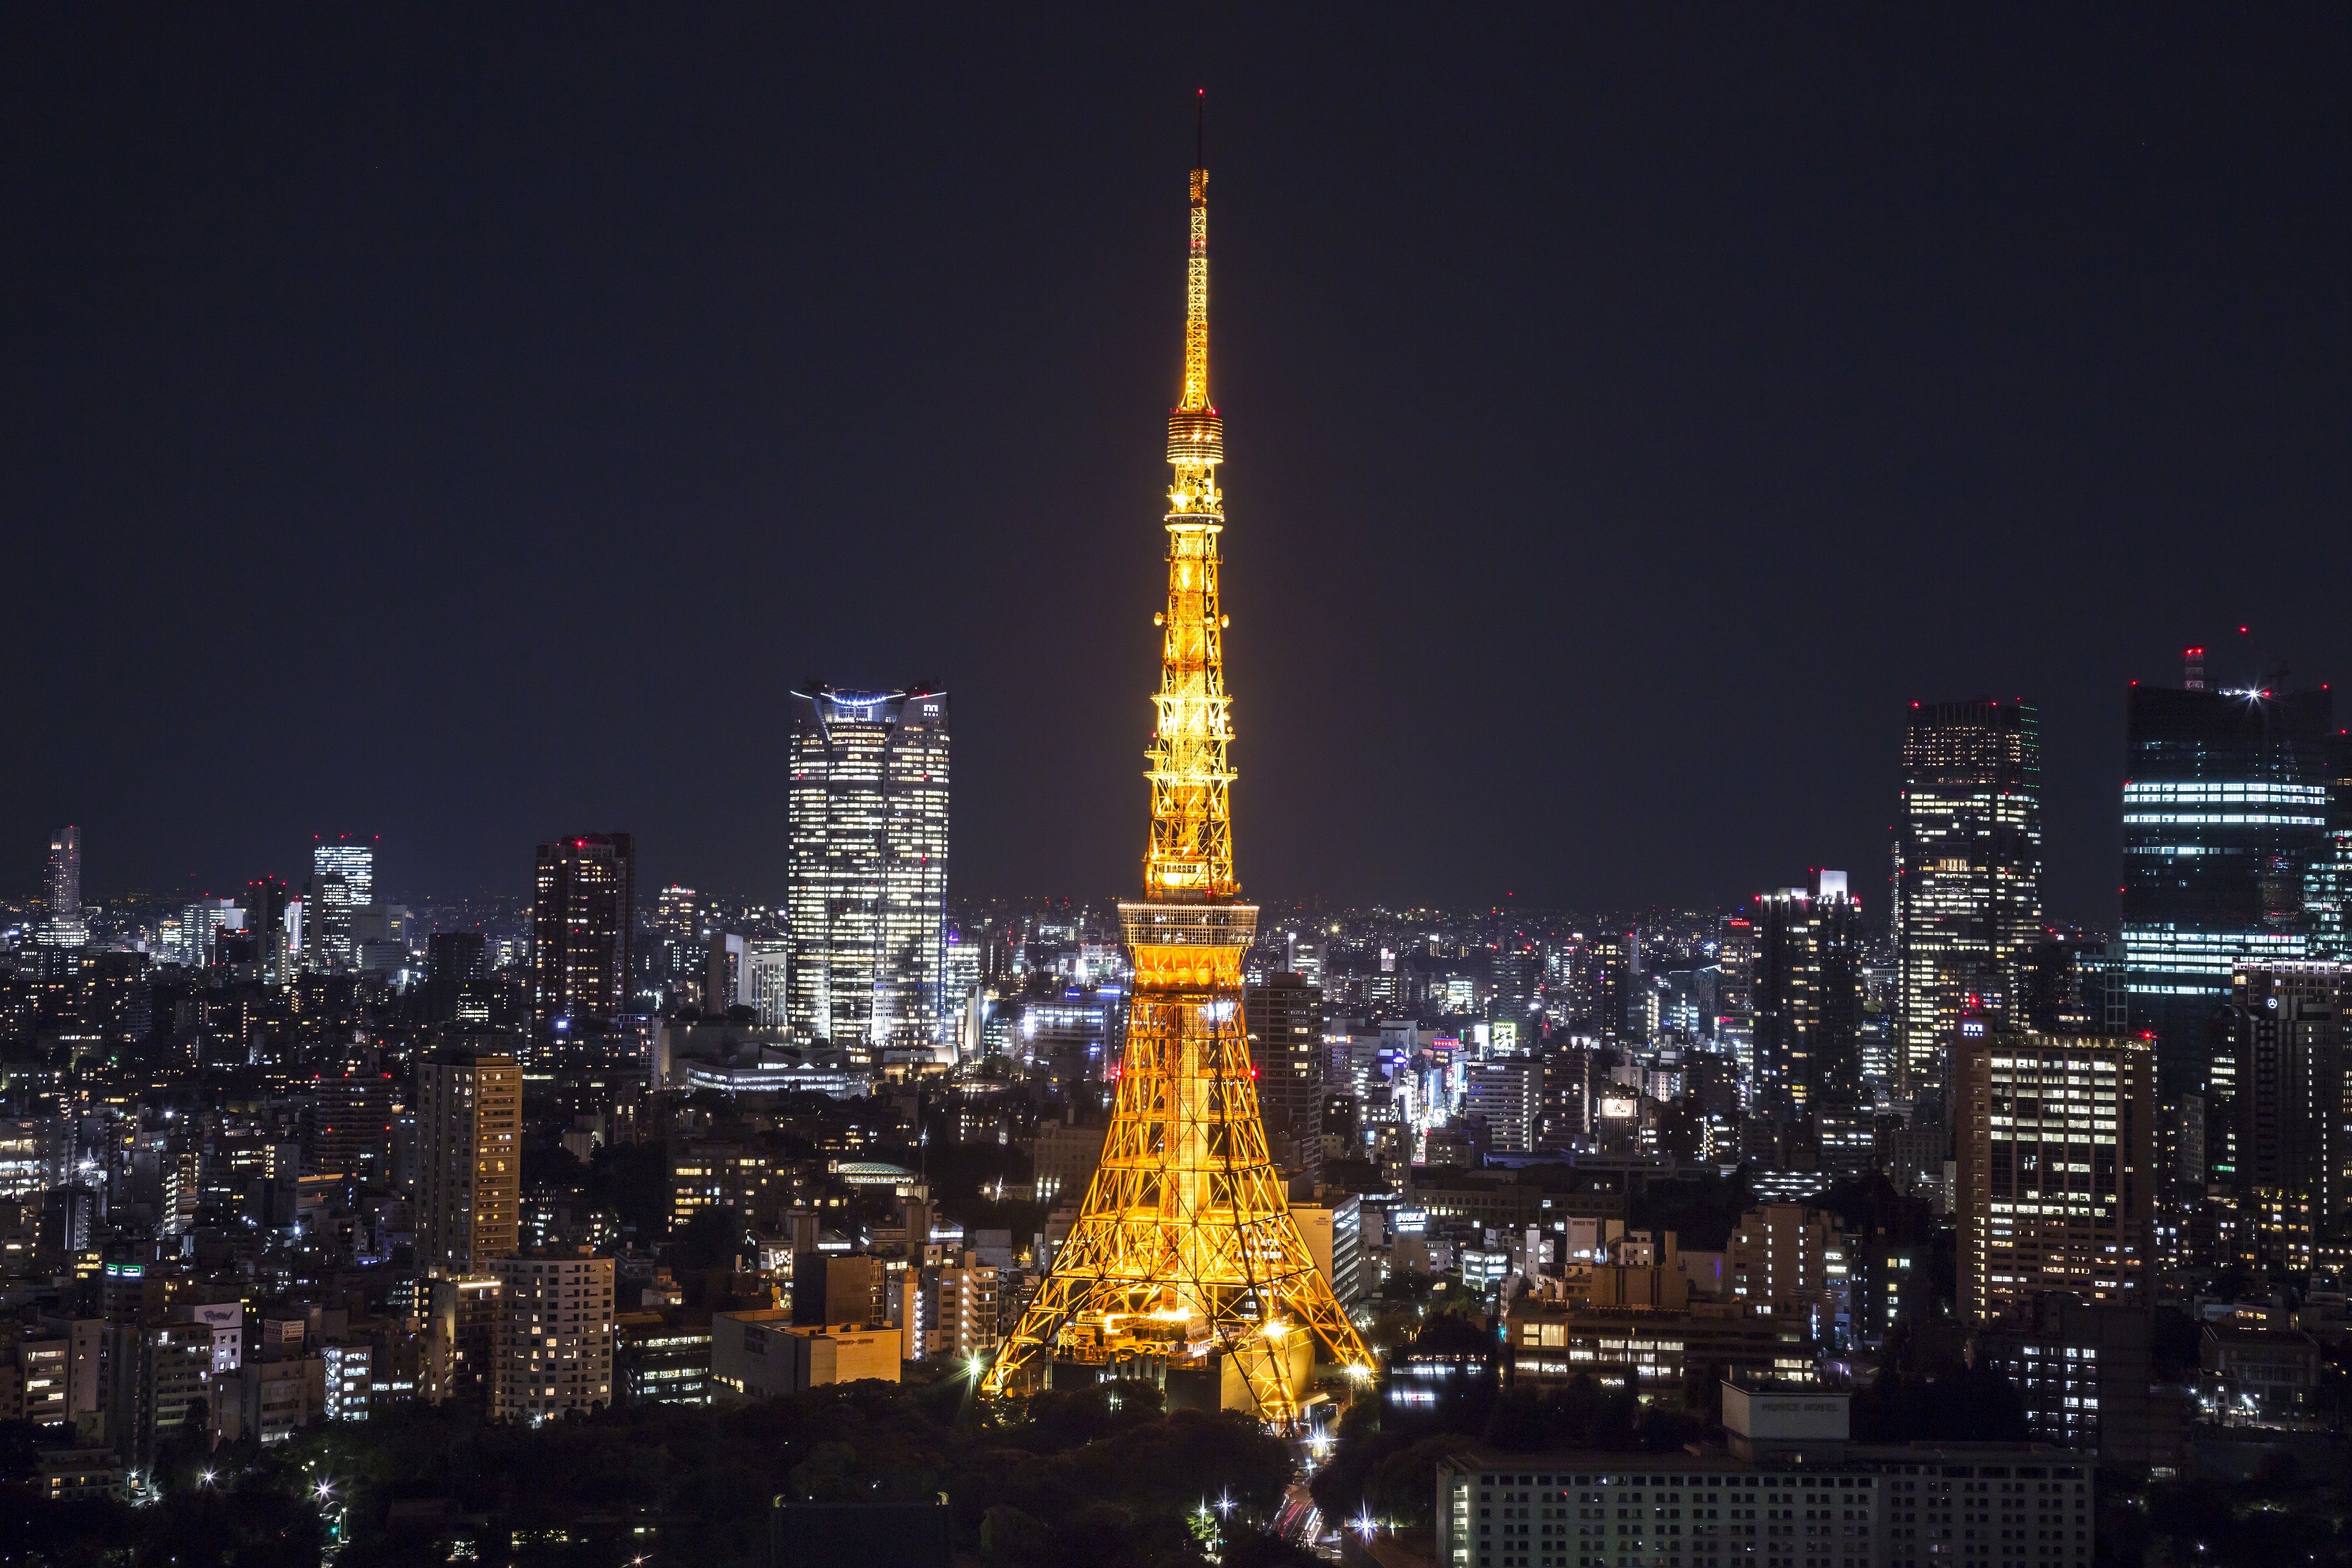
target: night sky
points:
(466, 432)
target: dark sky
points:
(467, 432)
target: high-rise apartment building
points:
(555, 1333)
(2285, 1084)
(1285, 1018)
(1968, 874)
(868, 888)
(62, 892)
(1804, 990)
(584, 914)
(2055, 1139)
(342, 879)
(2225, 817)
(348, 1127)
(469, 1158)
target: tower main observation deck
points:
(1185, 1254)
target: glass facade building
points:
(2225, 820)
(342, 879)
(1968, 874)
(866, 896)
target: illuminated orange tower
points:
(1186, 1247)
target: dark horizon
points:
(467, 432)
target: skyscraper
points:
(2285, 1088)
(1285, 1017)
(582, 915)
(1805, 994)
(2054, 1139)
(62, 891)
(866, 895)
(342, 879)
(453, 961)
(264, 917)
(469, 1158)
(2225, 817)
(1185, 1249)
(1968, 873)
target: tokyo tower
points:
(1185, 1254)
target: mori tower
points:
(1185, 1267)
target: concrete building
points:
(761, 1354)
(1778, 1257)
(663, 1358)
(1547, 1343)
(469, 1160)
(1790, 1493)
(2087, 1377)
(2055, 1139)
(948, 1310)
(555, 1335)
(1332, 1225)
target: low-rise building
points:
(663, 1358)
(1550, 1343)
(2086, 1378)
(761, 1354)
(2252, 1376)
(1789, 1494)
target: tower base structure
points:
(1185, 1267)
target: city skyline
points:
(745, 1186)
(1730, 442)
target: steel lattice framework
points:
(1185, 1243)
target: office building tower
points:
(469, 1158)
(2054, 1139)
(2285, 1091)
(61, 892)
(583, 912)
(556, 1328)
(454, 960)
(2072, 984)
(866, 896)
(2225, 817)
(1285, 1018)
(770, 961)
(1968, 874)
(1507, 1096)
(342, 879)
(266, 904)
(2328, 890)
(200, 922)
(1805, 996)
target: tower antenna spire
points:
(1201, 129)
(1185, 1243)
